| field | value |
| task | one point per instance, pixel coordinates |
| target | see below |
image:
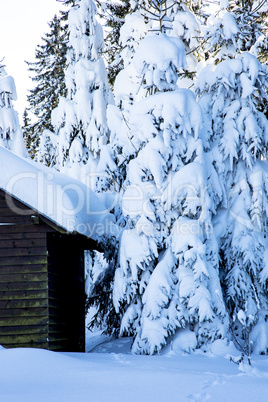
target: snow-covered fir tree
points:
(178, 19)
(260, 47)
(146, 17)
(127, 91)
(234, 28)
(151, 65)
(167, 275)
(173, 18)
(28, 133)
(126, 87)
(186, 25)
(48, 74)
(48, 149)
(80, 119)
(113, 14)
(10, 131)
(231, 98)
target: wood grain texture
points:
(41, 281)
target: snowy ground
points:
(111, 373)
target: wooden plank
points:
(18, 286)
(25, 294)
(27, 268)
(18, 260)
(10, 201)
(15, 207)
(23, 235)
(6, 229)
(18, 219)
(22, 243)
(24, 330)
(23, 277)
(25, 341)
(53, 226)
(28, 303)
(27, 251)
(24, 312)
(37, 345)
(25, 321)
(5, 210)
(17, 340)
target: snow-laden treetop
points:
(7, 86)
(85, 32)
(65, 201)
(10, 131)
(157, 61)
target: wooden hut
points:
(42, 297)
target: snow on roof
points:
(65, 201)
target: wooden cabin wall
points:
(23, 278)
(42, 302)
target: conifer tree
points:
(48, 149)
(151, 65)
(113, 14)
(28, 132)
(260, 47)
(48, 74)
(127, 88)
(186, 25)
(192, 251)
(170, 17)
(10, 131)
(231, 98)
(164, 192)
(235, 28)
(144, 18)
(80, 119)
(166, 279)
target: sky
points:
(22, 24)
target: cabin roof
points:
(61, 199)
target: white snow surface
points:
(110, 373)
(63, 200)
(157, 59)
(7, 84)
(160, 50)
